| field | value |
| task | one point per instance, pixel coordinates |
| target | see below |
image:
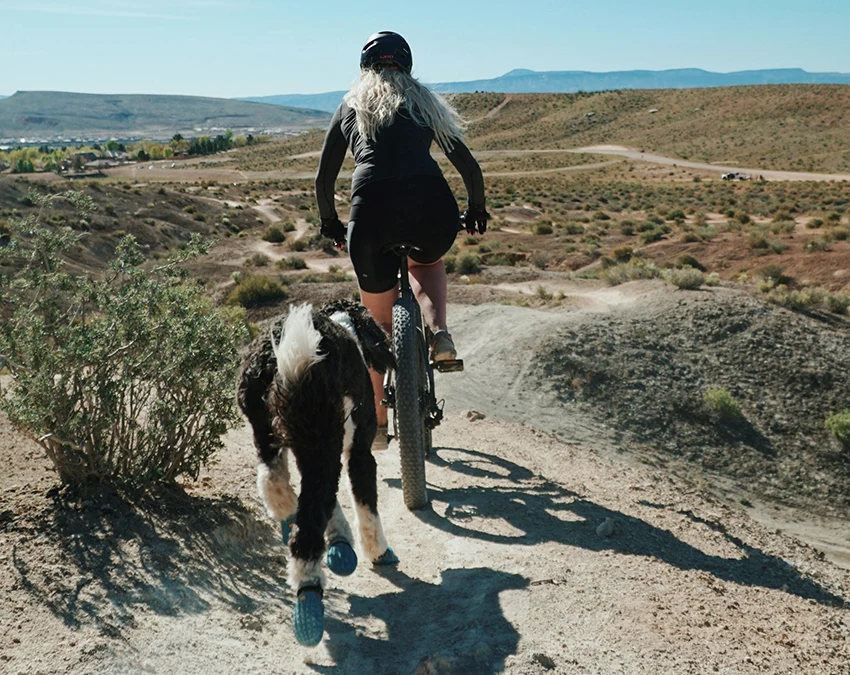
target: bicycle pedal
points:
(449, 365)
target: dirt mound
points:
(634, 364)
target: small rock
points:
(474, 415)
(606, 528)
(251, 623)
(544, 661)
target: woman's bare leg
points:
(380, 306)
(430, 286)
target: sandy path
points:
(723, 168)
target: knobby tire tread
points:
(408, 408)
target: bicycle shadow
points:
(453, 625)
(112, 556)
(542, 510)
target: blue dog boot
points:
(308, 622)
(342, 559)
(286, 529)
(386, 558)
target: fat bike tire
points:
(409, 403)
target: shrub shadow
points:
(114, 555)
(544, 511)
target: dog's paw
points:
(286, 529)
(342, 559)
(308, 623)
(386, 558)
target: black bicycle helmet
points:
(386, 47)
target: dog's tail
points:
(298, 349)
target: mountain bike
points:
(409, 389)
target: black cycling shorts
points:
(417, 209)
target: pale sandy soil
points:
(547, 547)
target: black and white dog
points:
(305, 388)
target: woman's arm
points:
(333, 154)
(468, 168)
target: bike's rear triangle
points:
(449, 365)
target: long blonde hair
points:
(378, 95)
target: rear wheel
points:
(409, 403)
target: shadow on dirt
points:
(547, 512)
(116, 557)
(454, 625)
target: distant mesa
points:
(48, 114)
(524, 81)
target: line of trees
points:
(46, 158)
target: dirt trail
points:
(539, 553)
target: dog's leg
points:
(362, 474)
(276, 491)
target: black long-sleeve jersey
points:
(403, 148)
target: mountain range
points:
(570, 81)
(50, 114)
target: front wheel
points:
(409, 411)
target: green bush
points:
(121, 378)
(543, 228)
(293, 262)
(252, 291)
(839, 426)
(837, 303)
(468, 263)
(274, 235)
(634, 269)
(685, 279)
(721, 404)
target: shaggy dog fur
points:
(305, 388)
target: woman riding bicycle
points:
(398, 192)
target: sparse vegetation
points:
(721, 404)
(838, 425)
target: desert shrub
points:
(773, 273)
(783, 216)
(814, 224)
(251, 291)
(686, 260)
(634, 269)
(543, 228)
(118, 377)
(622, 254)
(540, 259)
(742, 217)
(685, 279)
(757, 240)
(289, 226)
(838, 425)
(840, 233)
(574, 228)
(274, 235)
(468, 263)
(777, 246)
(817, 244)
(258, 260)
(712, 279)
(450, 263)
(676, 214)
(808, 298)
(293, 262)
(651, 236)
(601, 215)
(721, 404)
(837, 303)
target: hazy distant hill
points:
(570, 81)
(46, 113)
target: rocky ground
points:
(578, 528)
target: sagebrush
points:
(122, 377)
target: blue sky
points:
(233, 48)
